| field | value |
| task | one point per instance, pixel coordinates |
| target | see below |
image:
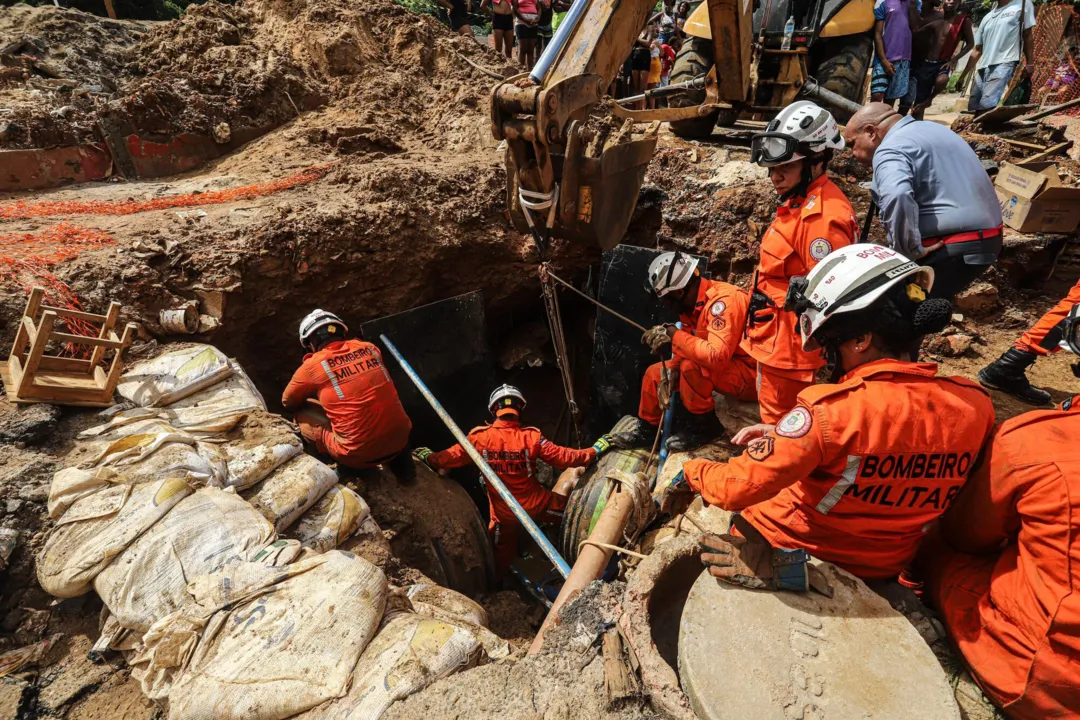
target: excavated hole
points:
(666, 606)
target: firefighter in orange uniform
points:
(1005, 572)
(814, 219)
(857, 470)
(706, 355)
(345, 402)
(512, 451)
(1007, 373)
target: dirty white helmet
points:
(847, 280)
(506, 396)
(671, 271)
(318, 319)
(801, 129)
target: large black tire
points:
(843, 69)
(694, 59)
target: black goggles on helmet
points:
(772, 147)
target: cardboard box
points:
(1033, 199)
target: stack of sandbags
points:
(290, 490)
(260, 643)
(174, 375)
(332, 520)
(204, 532)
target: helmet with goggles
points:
(801, 130)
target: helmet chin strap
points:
(833, 362)
(810, 159)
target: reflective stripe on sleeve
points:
(847, 478)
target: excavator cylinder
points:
(558, 41)
(812, 91)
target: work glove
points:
(602, 445)
(752, 562)
(669, 381)
(656, 338)
(677, 496)
(422, 454)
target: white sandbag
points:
(262, 443)
(290, 490)
(98, 527)
(156, 452)
(174, 375)
(202, 534)
(332, 520)
(220, 407)
(280, 553)
(259, 643)
(409, 653)
(442, 603)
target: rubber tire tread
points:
(844, 69)
(695, 58)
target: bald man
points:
(937, 203)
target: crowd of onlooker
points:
(918, 44)
(529, 25)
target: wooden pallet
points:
(31, 376)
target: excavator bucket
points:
(597, 196)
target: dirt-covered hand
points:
(677, 496)
(752, 562)
(669, 380)
(751, 433)
(656, 338)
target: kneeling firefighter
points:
(705, 355)
(859, 468)
(344, 400)
(512, 451)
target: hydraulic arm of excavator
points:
(553, 187)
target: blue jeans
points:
(990, 84)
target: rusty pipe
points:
(591, 559)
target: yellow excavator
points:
(565, 180)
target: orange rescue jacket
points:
(1024, 639)
(856, 472)
(512, 451)
(349, 380)
(716, 326)
(802, 234)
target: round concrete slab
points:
(787, 656)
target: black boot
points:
(1007, 375)
(693, 431)
(402, 466)
(641, 434)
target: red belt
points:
(964, 237)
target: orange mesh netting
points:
(25, 259)
(22, 209)
(1057, 58)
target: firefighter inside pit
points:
(344, 400)
(861, 466)
(814, 219)
(512, 451)
(705, 355)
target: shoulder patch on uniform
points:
(795, 424)
(761, 448)
(717, 308)
(819, 248)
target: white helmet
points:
(801, 129)
(849, 279)
(504, 396)
(671, 271)
(318, 319)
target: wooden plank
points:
(64, 381)
(10, 384)
(109, 321)
(118, 362)
(618, 681)
(18, 348)
(84, 340)
(1021, 143)
(1050, 151)
(37, 349)
(77, 314)
(26, 326)
(49, 362)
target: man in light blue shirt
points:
(997, 51)
(937, 203)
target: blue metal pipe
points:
(485, 469)
(669, 417)
(562, 35)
